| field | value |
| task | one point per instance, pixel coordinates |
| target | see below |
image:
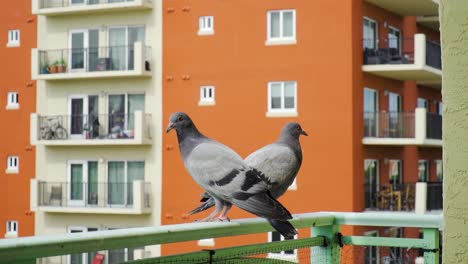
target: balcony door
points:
(371, 182)
(370, 112)
(83, 115)
(121, 175)
(83, 50)
(82, 183)
(121, 109)
(395, 122)
(121, 46)
(370, 33)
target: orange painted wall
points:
(15, 72)
(239, 64)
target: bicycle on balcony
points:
(52, 129)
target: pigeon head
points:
(292, 129)
(179, 121)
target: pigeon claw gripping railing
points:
(325, 243)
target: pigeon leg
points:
(223, 217)
(218, 207)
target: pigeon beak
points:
(304, 133)
(169, 127)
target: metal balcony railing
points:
(92, 126)
(66, 3)
(325, 245)
(93, 59)
(390, 197)
(433, 126)
(389, 124)
(399, 51)
(434, 196)
(90, 194)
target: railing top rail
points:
(53, 245)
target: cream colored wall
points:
(52, 98)
(454, 34)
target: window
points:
(439, 170)
(281, 27)
(13, 38)
(11, 229)
(207, 95)
(370, 109)
(287, 254)
(12, 164)
(121, 175)
(394, 39)
(121, 109)
(81, 258)
(205, 25)
(12, 100)
(83, 183)
(370, 33)
(371, 254)
(423, 171)
(282, 98)
(395, 172)
(422, 103)
(371, 182)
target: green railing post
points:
(331, 253)
(431, 237)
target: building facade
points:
(17, 100)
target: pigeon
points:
(279, 161)
(226, 177)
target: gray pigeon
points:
(223, 174)
(279, 161)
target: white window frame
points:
(374, 233)
(205, 25)
(125, 180)
(14, 37)
(281, 112)
(281, 40)
(12, 100)
(206, 100)
(425, 163)
(376, 33)
(11, 229)
(12, 165)
(281, 255)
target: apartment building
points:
(97, 125)
(362, 77)
(17, 101)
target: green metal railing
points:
(325, 228)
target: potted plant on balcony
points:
(53, 68)
(61, 66)
(44, 67)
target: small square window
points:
(282, 99)
(290, 255)
(281, 27)
(207, 95)
(12, 164)
(205, 25)
(13, 38)
(11, 228)
(12, 100)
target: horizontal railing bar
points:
(386, 242)
(54, 245)
(235, 252)
(389, 219)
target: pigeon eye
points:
(179, 119)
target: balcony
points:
(419, 60)
(97, 62)
(409, 7)
(91, 130)
(403, 128)
(91, 198)
(70, 7)
(419, 197)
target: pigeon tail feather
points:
(285, 228)
(209, 202)
(263, 205)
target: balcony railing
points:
(389, 124)
(67, 3)
(434, 126)
(402, 197)
(91, 129)
(399, 51)
(82, 197)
